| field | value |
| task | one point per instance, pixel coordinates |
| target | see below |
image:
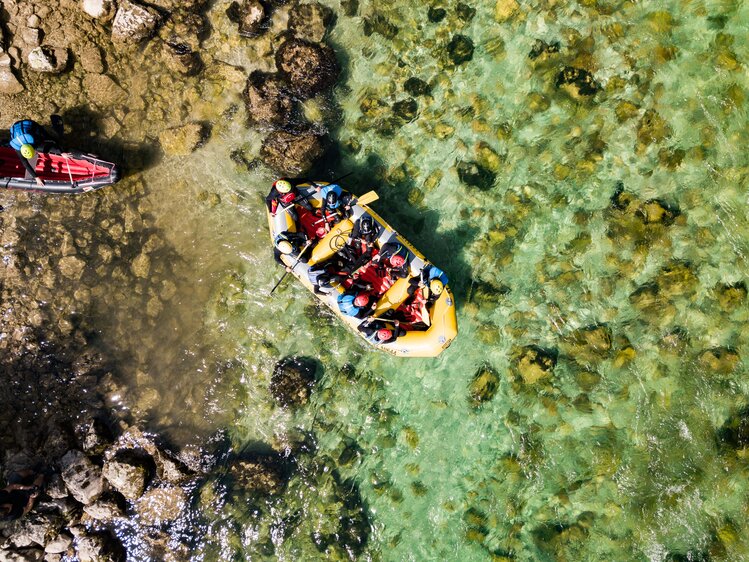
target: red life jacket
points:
(287, 198)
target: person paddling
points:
(358, 304)
(27, 138)
(290, 244)
(284, 194)
(377, 331)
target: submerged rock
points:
(465, 12)
(652, 128)
(460, 49)
(258, 474)
(184, 140)
(484, 385)
(436, 14)
(310, 21)
(730, 297)
(82, 478)
(161, 505)
(51, 60)
(181, 58)
(308, 67)
(474, 174)
(291, 154)
(417, 87)
(577, 82)
(720, 360)
(534, 363)
(134, 23)
(128, 476)
(99, 547)
(377, 23)
(735, 431)
(656, 211)
(407, 110)
(588, 344)
(292, 381)
(267, 100)
(541, 47)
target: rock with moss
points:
(676, 279)
(436, 14)
(181, 58)
(257, 474)
(541, 48)
(291, 154)
(417, 87)
(459, 50)
(134, 23)
(465, 12)
(251, 16)
(310, 21)
(292, 381)
(378, 23)
(730, 297)
(588, 344)
(533, 363)
(484, 385)
(128, 476)
(652, 128)
(160, 505)
(184, 140)
(267, 99)
(474, 174)
(406, 110)
(309, 68)
(734, 433)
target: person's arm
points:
(26, 164)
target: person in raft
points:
(377, 331)
(358, 304)
(392, 258)
(284, 194)
(431, 282)
(28, 137)
(290, 244)
(360, 244)
(336, 205)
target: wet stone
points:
(181, 58)
(377, 23)
(127, 476)
(588, 343)
(460, 49)
(465, 12)
(676, 279)
(484, 386)
(474, 174)
(267, 100)
(436, 14)
(250, 15)
(577, 82)
(652, 128)
(656, 211)
(735, 431)
(98, 9)
(46, 59)
(184, 140)
(292, 381)
(82, 478)
(134, 23)
(161, 505)
(407, 110)
(257, 474)
(291, 154)
(91, 59)
(417, 87)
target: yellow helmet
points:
(436, 286)
(285, 247)
(283, 186)
(27, 151)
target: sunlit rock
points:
(588, 344)
(291, 154)
(251, 16)
(134, 23)
(309, 68)
(47, 59)
(99, 9)
(484, 385)
(184, 140)
(127, 476)
(82, 478)
(310, 21)
(258, 474)
(103, 510)
(161, 505)
(505, 9)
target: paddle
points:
(306, 246)
(305, 197)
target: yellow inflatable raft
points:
(436, 333)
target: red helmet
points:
(361, 300)
(384, 334)
(397, 260)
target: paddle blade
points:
(367, 198)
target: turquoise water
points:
(612, 241)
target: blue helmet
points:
(436, 273)
(24, 132)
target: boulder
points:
(291, 154)
(54, 487)
(128, 476)
(534, 363)
(9, 84)
(99, 9)
(474, 174)
(730, 297)
(292, 381)
(35, 529)
(99, 547)
(161, 505)
(436, 14)
(184, 140)
(257, 474)
(656, 211)
(310, 21)
(251, 16)
(484, 385)
(134, 23)
(267, 100)
(181, 58)
(22, 555)
(92, 435)
(407, 110)
(460, 49)
(588, 344)
(82, 478)
(465, 12)
(50, 60)
(91, 59)
(308, 67)
(102, 90)
(167, 468)
(71, 267)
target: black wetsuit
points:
(276, 199)
(297, 240)
(359, 248)
(370, 329)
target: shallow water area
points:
(594, 404)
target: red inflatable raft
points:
(75, 174)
